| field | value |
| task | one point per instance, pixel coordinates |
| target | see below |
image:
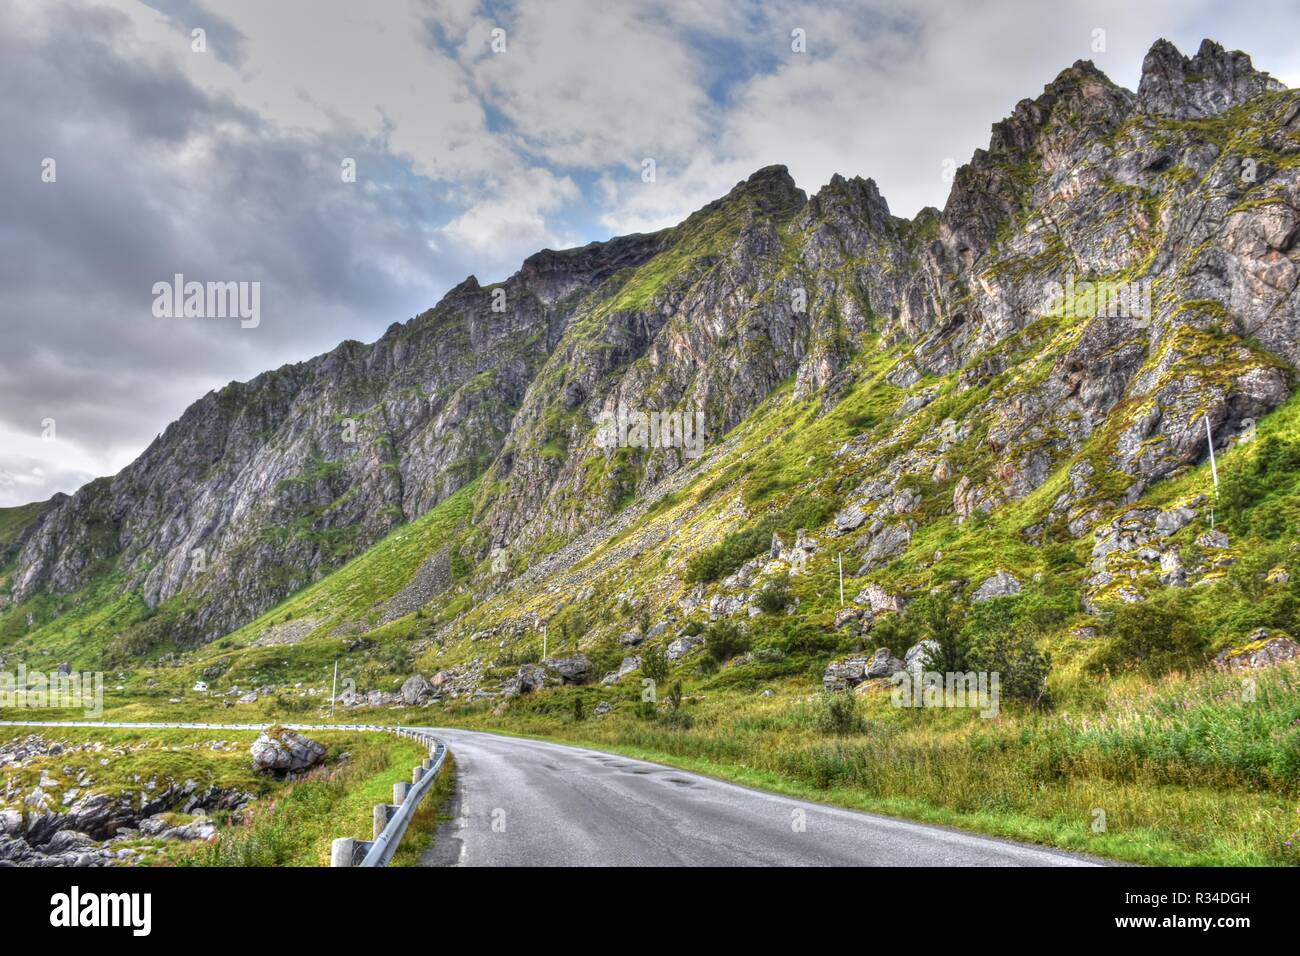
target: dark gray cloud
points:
(156, 176)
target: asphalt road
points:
(528, 803)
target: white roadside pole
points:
(334, 691)
(839, 560)
(1214, 467)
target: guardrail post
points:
(383, 813)
(416, 774)
(399, 792)
(428, 763)
(342, 851)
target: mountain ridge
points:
(272, 496)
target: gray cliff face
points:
(1091, 184)
(262, 486)
(1188, 190)
(783, 284)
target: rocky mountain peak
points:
(862, 196)
(1081, 100)
(772, 190)
(1212, 81)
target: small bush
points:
(1021, 667)
(805, 511)
(675, 716)
(838, 713)
(724, 640)
(775, 595)
(936, 617)
(293, 704)
(654, 664)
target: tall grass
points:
(296, 829)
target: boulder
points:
(1172, 572)
(197, 830)
(603, 708)
(416, 690)
(1213, 539)
(850, 519)
(917, 656)
(628, 666)
(154, 826)
(878, 600)
(723, 606)
(883, 664)
(889, 542)
(683, 646)
(572, 670)
(1001, 584)
(528, 678)
(849, 672)
(69, 841)
(1263, 650)
(283, 751)
(964, 500)
(845, 615)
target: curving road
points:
(524, 802)
(529, 803)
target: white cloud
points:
(511, 214)
(588, 86)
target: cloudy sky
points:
(223, 160)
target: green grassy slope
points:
(14, 521)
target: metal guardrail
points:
(385, 845)
(391, 820)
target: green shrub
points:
(775, 595)
(1152, 637)
(938, 618)
(1245, 487)
(724, 640)
(1000, 641)
(293, 704)
(838, 713)
(675, 716)
(654, 664)
(730, 553)
(1021, 667)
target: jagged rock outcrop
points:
(1208, 83)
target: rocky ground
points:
(70, 818)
